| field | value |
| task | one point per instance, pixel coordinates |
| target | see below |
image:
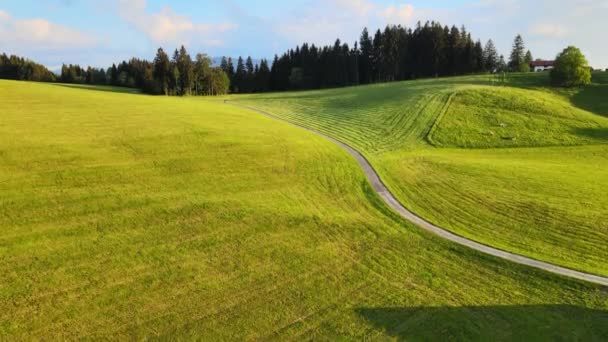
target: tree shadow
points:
(599, 134)
(491, 323)
(529, 80)
(109, 89)
(593, 98)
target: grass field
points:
(129, 216)
(522, 167)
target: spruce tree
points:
(186, 71)
(502, 64)
(162, 66)
(528, 59)
(264, 76)
(240, 76)
(377, 58)
(490, 57)
(248, 86)
(517, 57)
(366, 57)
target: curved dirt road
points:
(389, 199)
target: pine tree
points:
(186, 71)
(162, 66)
(174, 75)
(114, 75)
(240, 76)
(263, 76)
(502, 64)
(248, 86)
(353, 65)
(366, 57)
(230, 67)
(517, 58)
(377, 58)
(453, 53)
(490, 57)
(224, 64)
(478, 60)
(528, 59)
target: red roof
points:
(541, 63)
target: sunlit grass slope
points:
(522, 168)
(485, 117)
(127, 216)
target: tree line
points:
(22, 69)
(178, 75)
(393, 54)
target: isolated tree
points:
(571, 69)
(490, 57)
(517, 62)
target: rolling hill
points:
(518, 166)
(127, 216)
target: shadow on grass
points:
(593, 98)
(529, 80)
(491, 323)
(600, 134)
(110, 89)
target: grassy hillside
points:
(485, 117)
(547, 203)
(127, 216)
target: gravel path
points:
(389, 199)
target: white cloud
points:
(337, 19)
(401, 14)
(39, 34)
(4, 15)
(361, 8)
(168, 27)
(322, 22)
(549, 30)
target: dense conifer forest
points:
(393, 54)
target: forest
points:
(393, 54)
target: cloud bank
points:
(170, 28)
(39, 34)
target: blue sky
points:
(99, 32)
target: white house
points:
(540, 65)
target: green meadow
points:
(126, 216)
(517, 165)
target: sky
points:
(100, 32)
